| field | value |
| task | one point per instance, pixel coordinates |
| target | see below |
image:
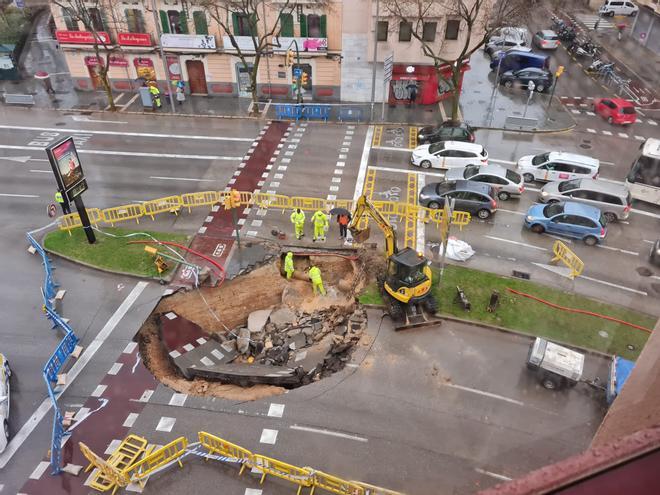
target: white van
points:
(618, 7)
(557, 165)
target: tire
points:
(611, 217)
(540, 88)
(483, 214)
(508, 83)
(395, 311)
(610, 14)
(590, 240)
(610, 120)
(431, 305)
(552, 201)
(425, 164)
(537, 228)
(434, 205)
(549, 382)
(528, 177)
(503, 195)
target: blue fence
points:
(58, 359)
(317, 111)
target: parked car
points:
(508, 32)
(474, 197)
(618, 7)
(614, 200)
(654, 255)
(5, 374)
(506, 182)
(447, 131)
(546, 40)
(449, 154)
(504, 44)
(518, 59)
(615, 110)
(541, 78)
(557, 165)
(500, 52)
(568, 219)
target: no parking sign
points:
(51, 210)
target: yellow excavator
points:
(407, 283)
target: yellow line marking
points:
(378, 134)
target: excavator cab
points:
(408, 276)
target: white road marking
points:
(331, 433)
(652, 122)
(34, 171)
(622, 134)
(493, 475)
(115, 368)
(505, 162)
(129, 102)
(647, 241)
(165, 424)
(253, 491)
(640, 138)
(610, 284)
(98, 391)
(112, 446)
(607, 133)
(407, 171)
(362, 171)
(181, 178)
(118, 133)
(617, 249)
(645, 213)
(591, 114)
(130, 420)
(178, 399)
(593, 131)
(515, 242)
(8, 195)
(39, 470)
(268, 436)
(21, 159)
(276, 410)
(75, 370)
(521, 213)
(485, 394)
(392, 148)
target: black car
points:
(471, 196)
(542, 78)
(654, 256)
(447, 131)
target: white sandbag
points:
(458, 250)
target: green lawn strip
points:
(110, 253)
(532, 317)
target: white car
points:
(618, 7)
(449, 154)
(557, 165)
(5, 373)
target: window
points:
(242, 24)
(95, 19)
(177, 22)
(286, 25)
(405, 31)
(383, 28)
(451, 32)
(71, 25)
(199, 19)
(316, 26)
(134, 21)
(429, 31)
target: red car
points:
(615, 110)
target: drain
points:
(59, 124)
(585, 146)
(643, 271)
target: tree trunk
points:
(253, 86)
(456, 89)
(104, 77)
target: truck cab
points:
(556, 366)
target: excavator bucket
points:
(360, 236)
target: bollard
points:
(494, 301)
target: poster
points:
(65, 163)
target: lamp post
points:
(299, 76)
(162, 55)
(375, 61)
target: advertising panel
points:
(66, 166)
(81, 37)
(198, 41)
(134, 39)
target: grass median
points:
(526, 315)
(111, 252)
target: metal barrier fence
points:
(567, 257)
(260, 200)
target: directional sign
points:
(388, 66)
(297, 72)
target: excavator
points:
(407, 283)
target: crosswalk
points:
(589, 20)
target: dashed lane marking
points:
(404, 171)
(130, 420)
(268, 436)
(276, 410)
(500, 477)
(509, 241)
(610, 248)
(331, 433)
(617, 286)
(485, 394)
(178, 399)
(165, 424)
(39, 470)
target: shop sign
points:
(82, 37)
(134, 39)
(93, 61)
(194, 41)
(173, 67)
(117, 61)
(143, 62)
(304, 44)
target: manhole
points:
(643, 271)
(59, 124)
(603, 334)
(630, 347)
(585, 146)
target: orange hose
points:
(579, 311)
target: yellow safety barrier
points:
(569, 258)
(122, 213)
(375, 490)
(410, 228)
(169, 204)
(335, 485)
(219, 446)
(294, 474)
(128, 451)
(72, 220)
(107, 477)
(309, 204)
(141, 470)
(202, 198)
(266, 200)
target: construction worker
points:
(288, 265)
(320, 221)
(298, 221)
(59, 198)
(317, 281)
(155, 95)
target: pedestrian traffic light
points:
(289, 57)
(303, 78)
(560, 71)
(232, 200)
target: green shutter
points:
(130, 19)
(303, 26)
(324, 26)
(140, 21)
(183, 22)
(234, 21)
(253, 25)
(199, 19)
(165, 22)
(286, 25)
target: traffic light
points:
(560, 71)
(289, 57)
(303, 79)
(232, 200)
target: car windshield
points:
(539, 159)
(513, 176)
(434, 148)
(553, 209)
(603, 220)
(551, 37)
(628, 110)
(569, 185)
(470, 171)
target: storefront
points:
(423, 81)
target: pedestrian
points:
(298, 221)
(320, 221)
(64, 204)
(343, 220)
(596, 24)
(620, 27)
(413, 94)
(317, 281)
(155, 95)
(180, 92)
(288, 265)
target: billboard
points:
(66, 166)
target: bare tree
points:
(477, 20)
(89, 13)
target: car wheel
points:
(540, 88)
(610, 14)
(552, 201)
(539, 229)
(503, 195)
(508, 83)
(528, 177)
(590, 240)
(549, 383)
(425, 164)
(434, 205)
(483, 214)
(611, 217)
(610, 120)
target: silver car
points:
(5, 373)
(506, 182)
(613, 200)
(546, 40)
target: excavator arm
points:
(364, 207)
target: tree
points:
(472, 23)
(89, 13)
(13, 22)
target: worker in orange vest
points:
(343, 220)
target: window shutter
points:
(130, 20)
(140, 21)
(303, 26)
(165, 22)
(71, 25)
(234, 21)
(183, 22)
(324, 26)
(253, 25)
(286, 25)
(199, 19)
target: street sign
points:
(297, 72)
(388, 66)
(51, 210)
